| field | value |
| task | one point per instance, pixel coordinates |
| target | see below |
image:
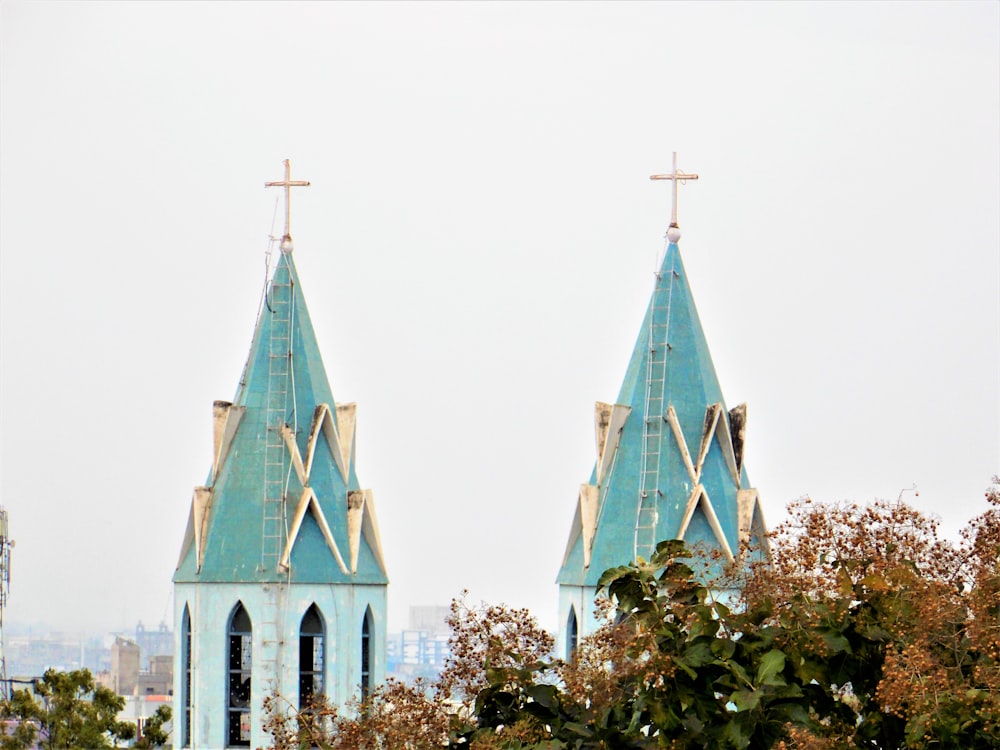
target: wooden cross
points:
(288, 183)
(674, 177)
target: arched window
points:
(312, 653)
(238, 686)
(186, 678)
(366, 653)
(572, 635)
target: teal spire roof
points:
(282, 501)
(669, 454)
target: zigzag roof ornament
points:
(280, 503)
(669, 454)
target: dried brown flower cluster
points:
(864, 629)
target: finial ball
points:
(673, 233)
(286, 244)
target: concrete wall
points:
(275, 612)
(124, 666)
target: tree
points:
(67, 710)
(486, 640)
(676, 668)
(153, 733)
(864, 630)
(392, 715)
(899, 627)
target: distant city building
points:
(29, 653)
(422, 649)
(159, 679)
(126, 678)
(124, 666)
(159, 642)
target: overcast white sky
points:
(477, 250)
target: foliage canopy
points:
(864, 630)
(66, 710)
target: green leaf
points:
(836, 642)
(544, 695)
(613, 574)
(745, 700)
(770, 668)
(723, 648)
(581, 730)
(680, 663)
(736, 734)
(698, 654)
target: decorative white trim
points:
(751, 517)
(609, 421)
(589, 495)
(225, 419)
(201, 506)
(725, 440)
(699, 498)
(675, 427)
(369, 527)
(361, 519)
(339, 430)
(309, 501)
(575, 527)
(708, 432)
(346, 428)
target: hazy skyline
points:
(477, 249)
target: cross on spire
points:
(288, 183)
(673, 233)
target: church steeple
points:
(282, 546)
(669, 454)
(282, 478)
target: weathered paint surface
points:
(278, 547)
(276, 613)
(316, 443)
(702, 495)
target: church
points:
(281, 586)
(669, 454)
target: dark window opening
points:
(366, 654)
(186, 677)
(572, 636)
(238, 686)
(312, 659)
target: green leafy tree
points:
(864, 630)
(66, 710)
(153, 732)
(677, 669)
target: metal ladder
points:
(654, 420)
(274, 532)
(276, 462)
